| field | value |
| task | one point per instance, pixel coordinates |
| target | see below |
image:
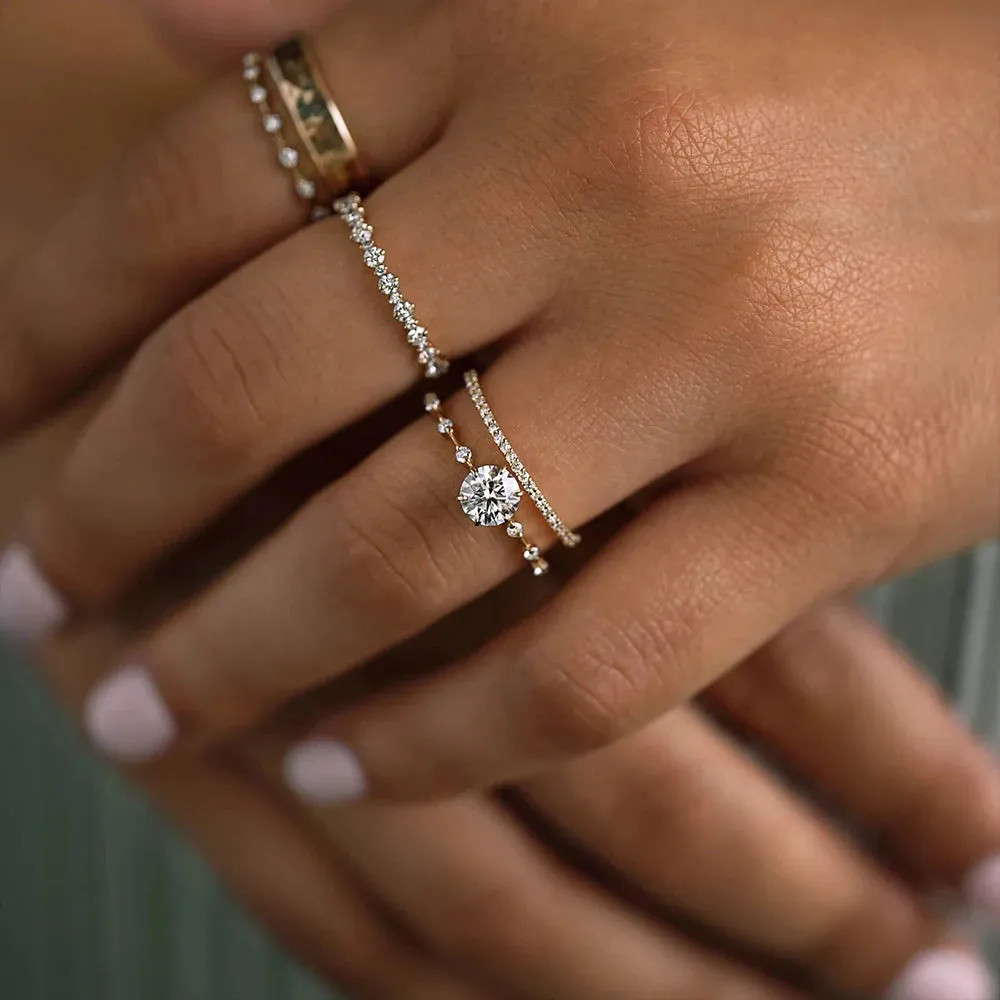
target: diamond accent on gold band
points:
(351, 210)
(567, 537)
(489, 494)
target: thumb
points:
(216, 29)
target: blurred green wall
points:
(99, 902)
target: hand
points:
(730, 252)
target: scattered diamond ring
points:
(567, 537)
(312, 139)
(489, 494)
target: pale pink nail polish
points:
(30, 608)
(981, 887)
(944, 974)
(126, 717)
(325, 771)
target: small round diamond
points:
(258, 94)
(272, 124)
(540, 568)
(251, 72)
(531, 553)
(388, 283)
(515, 529)
(431, 402)
(436, 368)
(489, 495)
(374, 256)
(416, 336)
(362, 234)
(305, 188)
(349, 203)
(288, 157)
(463, 454)
(445, 425)
(401, 309)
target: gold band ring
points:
(314, 133)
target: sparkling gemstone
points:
(445, 425)
(362, 234)
(416, 336)
(531, 553)
(305, 188)
(401, 309)
(436, 368)
(388, 283)
(540, 567)
(374, 256)
(251, 72)
(515, 529)
(272, 124)
(258, 94)
(463, 454)
(431, 402)
(489, 495)
(349, 203)
(288, 158)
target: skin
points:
(827, 912)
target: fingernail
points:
(981, 887)
(325, 771)
(30, 608)
(127, 719)
(944, 975)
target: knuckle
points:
(157, 191)
(392, 546)
(223, 377)
(590, 696)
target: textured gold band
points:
(319, 126)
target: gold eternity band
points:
(567, 537)
(331, 160)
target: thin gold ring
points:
(332, 160)
(514, 463)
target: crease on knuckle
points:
(591, 694)
(225, 379)
(392, 548)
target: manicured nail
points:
(325, 771)
(30, 608)
(126, 717)
(944, 975)
(982, 887)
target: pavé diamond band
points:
(489, 494)
(297, 110)
(351, 209)
(567, 537)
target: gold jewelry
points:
(567, 537)
(351, 209)
(332, 160)
(274, 126)
(489, 494)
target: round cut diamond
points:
(258, 94)
(489, 495)
(463, 454)
(288, 157)
(272, 124)
(305, 188)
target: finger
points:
(676, 600)
(685, 817)
(260, 368)
(480, 891)
(218, 28)
(376, 558)
(836, 699)
(302, 894)
(200, 196)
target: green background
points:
(99, 902)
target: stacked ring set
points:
(313, 144)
